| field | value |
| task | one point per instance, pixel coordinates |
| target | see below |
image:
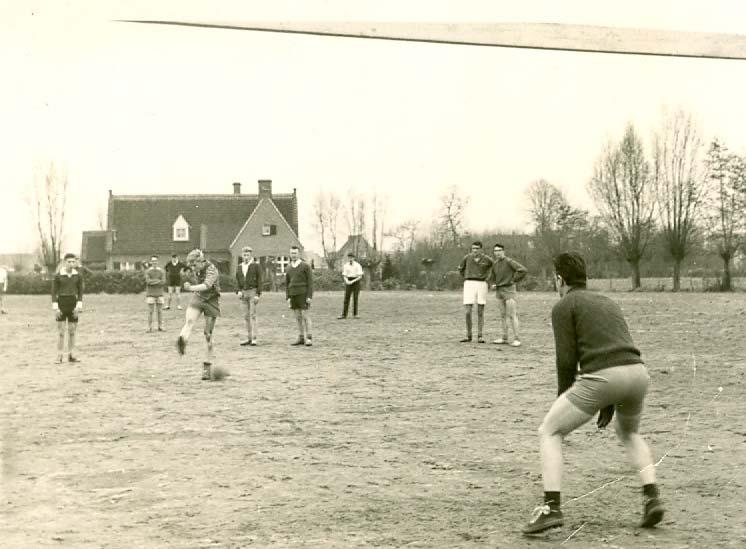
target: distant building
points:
(138, 226)
(22, 263)
(358, 245)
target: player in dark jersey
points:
(590, 333)
(173, 270)
(67, 302)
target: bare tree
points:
(451, 216)
(326, 215)
(49, 200)
(678, 183)
(356, 211)
(725, 204)
(623, 191)
(405, 234)
(556, 222)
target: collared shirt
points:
(352, 270)
(245, 266)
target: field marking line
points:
(573, 534)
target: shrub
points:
(453, 280)
(391, 284)
(376, 286)
(325, 279)
(29, 283)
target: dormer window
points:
(181, 229)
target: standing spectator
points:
(352, 272)
(155, 278)
(475, 267)
(67, 302)
(249, 288)
(299, 292)
(506, 272)
(174, 269)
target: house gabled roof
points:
(143, 223)
(282, 217)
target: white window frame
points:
(267, 230)
(180, 225)
(280, 266)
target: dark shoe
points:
(71, 358)
(206, 371)
(543, 518)
(245, 343)
(480, 339)
(467, 339)
(308, 342)
(653, 512)
(160, 329)
(299, 341)
(166, 308)
(181, 345)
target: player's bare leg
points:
(190, 318)
(299, 322)
(72, 327)
(61, 330)
(501, 313)
(210, 351)
(641, 458)
(306, 321)
(151, 310)
(159, 315)
(467, 313)
(480, 323)
(177, 290)
(252, 321)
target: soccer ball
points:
(218, 372)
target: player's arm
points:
(55, 292)
(519, 271)
(259, 280)
(309, 281)
(462, 266)
(287, 284)
(79, 293)
(239, 285)
(563, 326)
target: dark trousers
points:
(354, 291)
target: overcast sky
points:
(155, 109)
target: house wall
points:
(264, 246)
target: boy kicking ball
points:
(205, 301)
(590, 331)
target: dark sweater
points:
(253, 278)
(507, 271)
(475, 266)
(64, 285)
(299, 280)
(589, 330)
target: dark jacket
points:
(253, 278)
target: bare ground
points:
(387, 433)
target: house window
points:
(181, 229)
(269, 230)
(117, 266)
(282, 262)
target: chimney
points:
(265, 188)
(237, 187)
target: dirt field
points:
(387, 433)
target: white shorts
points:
(475, 291)
(153, 300)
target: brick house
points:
(139, 226)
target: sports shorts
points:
(623, 386)
(475, 291)
(152, 300)
(208, 307)
(174, 283)
(299, 302)
(504, 293)
(66, 305)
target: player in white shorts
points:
(475, 268)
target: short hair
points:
(247, 249)
(70, 256)
(571, 267)
(477, 243)
(174, 255)
(195, 254)
(350, 254)
(294, 248)
(498, 245)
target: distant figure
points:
(174, 269)
(299, 292)
(505, 273)
(352, 272)
(67, 303)
(475, 267)
(592, 337)
(205, 301)
(155, 278)
(249, 288)
(3, 288)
